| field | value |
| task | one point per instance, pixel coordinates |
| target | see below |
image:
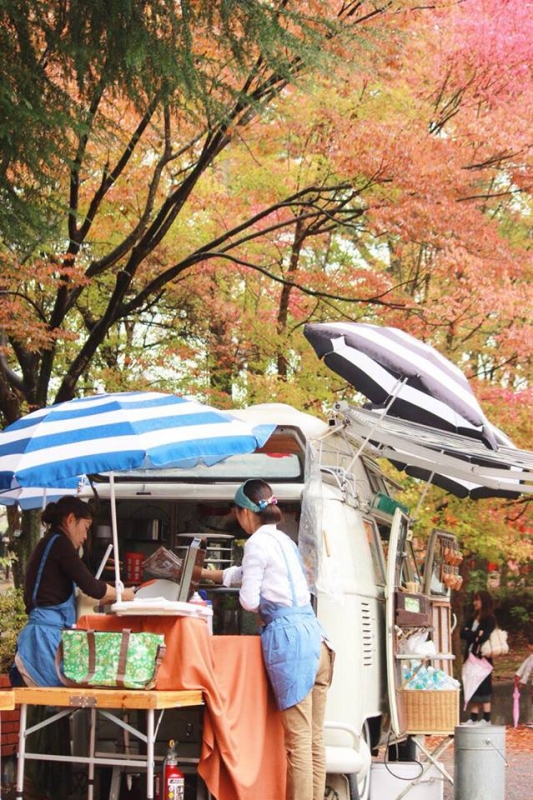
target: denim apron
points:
(291, 641)
(39, 639)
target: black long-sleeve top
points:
(475, 639)
(63, 567)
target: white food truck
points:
(369, 591)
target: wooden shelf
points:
(7, 700)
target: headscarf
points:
(243, 501)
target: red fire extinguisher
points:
(173, 779)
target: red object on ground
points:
(10, 724)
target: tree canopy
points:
(184, 185)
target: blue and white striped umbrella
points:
(33, 497)
(117, 432)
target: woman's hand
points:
(111, 595)
(213, 575)
(128, 593)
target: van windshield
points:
(267, 466)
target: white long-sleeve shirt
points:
(264, 570)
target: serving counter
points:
(242, 755)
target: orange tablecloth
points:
(243, 757)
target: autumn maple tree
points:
(129, 130)
(185, 185)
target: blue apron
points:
(38, 641)
(291, 641)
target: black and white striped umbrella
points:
(509, 486)
(408, 377)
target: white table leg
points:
(433, 756)
(150, 753)
(425, 766)
(92, 744)
(22, 750)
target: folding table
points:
(7, 701)
(105, 702)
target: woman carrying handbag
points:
(477, 631)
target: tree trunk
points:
(23, 544)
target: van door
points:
(398, 535)
(406, 609)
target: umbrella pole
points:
(393, 395)
(422, 496)
(103, 562)
(114, 532)
(42, 526)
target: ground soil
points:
(518, 741)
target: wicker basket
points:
(430, 711)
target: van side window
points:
(376, 549)
(410, 567)
(442, 563)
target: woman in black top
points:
(477, 631)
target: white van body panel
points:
(351, 608)
(350, 585)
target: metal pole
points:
(22, 750)
(150, 739)
(92, 747)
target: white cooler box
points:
(388, 780)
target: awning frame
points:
(449, 454)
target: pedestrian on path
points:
(525, 670)
(477, 631)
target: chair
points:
(352, 760)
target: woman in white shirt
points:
(298, 661)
